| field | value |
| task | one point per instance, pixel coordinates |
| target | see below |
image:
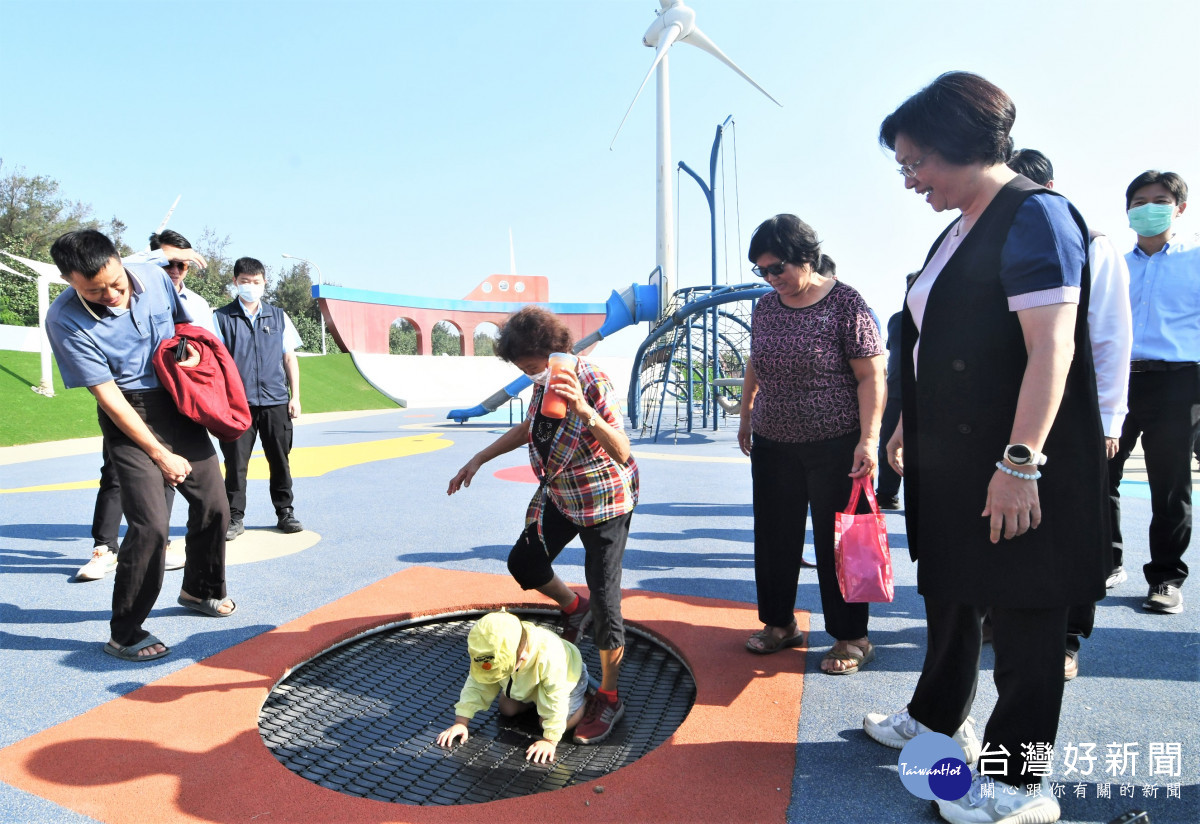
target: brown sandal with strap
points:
(857, 660)
(768, 642)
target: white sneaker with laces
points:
(899, 728)
(103, 562)
(1117, 577)
(989, 802)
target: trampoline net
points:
(362, 719)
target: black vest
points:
(257, 350)
(958, 418)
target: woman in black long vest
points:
(997, 376)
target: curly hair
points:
(533, 331)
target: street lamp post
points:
(320, 282)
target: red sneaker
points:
(576, 622)
(598, 719)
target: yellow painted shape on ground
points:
(94, 483)
(261, 544)
(306, 461)
(314, 461)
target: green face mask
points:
(1151, 219)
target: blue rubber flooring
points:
(692, 535)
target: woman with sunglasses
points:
(812, 401)
(588, 488)
(1000, 444)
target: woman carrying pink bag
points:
(812, 401)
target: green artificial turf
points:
(330, 383)
(327, 384)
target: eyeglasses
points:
(774, 270)
(910, 169)
(177, 264)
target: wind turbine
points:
(676, 23)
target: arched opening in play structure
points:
(447, 339)
(404, 337)
(484, 338)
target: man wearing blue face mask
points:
(263, 343)
(1164, 381)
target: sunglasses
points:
(774, 270)
(177, 264)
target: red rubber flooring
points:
(187, 748)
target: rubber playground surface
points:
(85, 737)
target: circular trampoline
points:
(362, 718)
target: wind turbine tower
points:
(676, 23)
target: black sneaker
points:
(235, 529)
(288, 523)
(888, 501)
(1164, 598)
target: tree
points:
(292, 292)
(446, 339)
(32, 216)
(33, 213)
(116, 233)
(214, 283)
(402, 338)
(485, 344)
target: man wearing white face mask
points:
(263, 343)
(1164, 381)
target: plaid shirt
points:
(582, 480)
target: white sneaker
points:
(1117, 577)
(103, 562)
(989, 801)
(176, 558)
(899, 728)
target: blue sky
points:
(396, 143)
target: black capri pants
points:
(604, 547)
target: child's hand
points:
(446, 737)
(541, 752)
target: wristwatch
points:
(592, 419)
(1018, 454)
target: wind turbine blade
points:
(166, 219)
(170, 212)
(668, 38)
(698, 39)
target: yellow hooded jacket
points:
(547, 678)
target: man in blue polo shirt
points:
(173, 252)
(1164, 380)
(263, 343)
(104, 331)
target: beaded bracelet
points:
(1036, 473)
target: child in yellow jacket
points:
(525, 665)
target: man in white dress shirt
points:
(1110, 332)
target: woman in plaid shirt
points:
(588, 487)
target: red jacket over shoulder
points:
(210, 393)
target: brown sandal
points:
(769, 642)
(857, 660)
